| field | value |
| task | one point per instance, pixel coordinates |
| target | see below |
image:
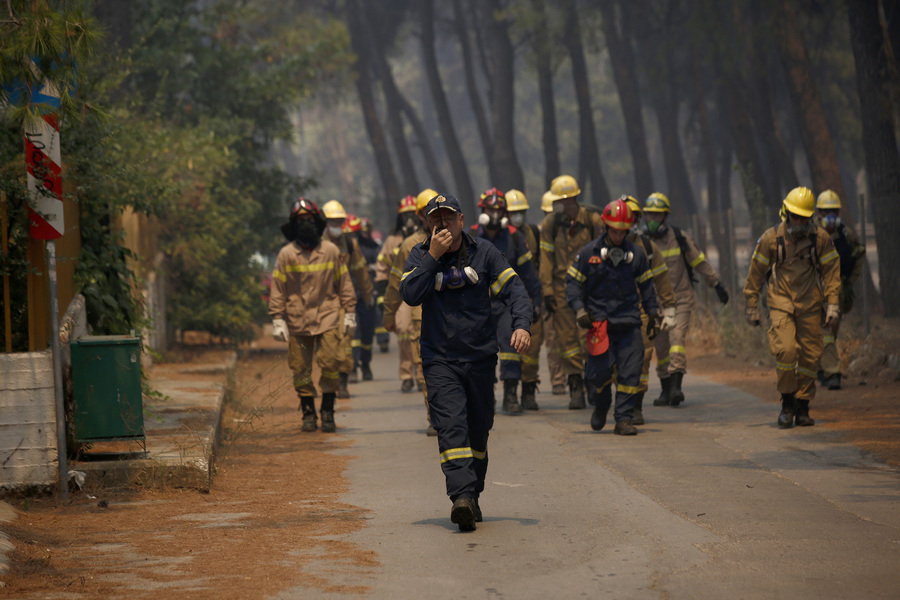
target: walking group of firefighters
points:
(599, 289)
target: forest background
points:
(211, 116)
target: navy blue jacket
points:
(513, 248)
(608, 292)
(458, 324)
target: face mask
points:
(653, 226)
(454, 278)
(409, 225)
(831, 221)
(492, 222)
(616, 255)
(334, 231)
(517, 220)
(307, 234)
(558, 207)
(798, 230)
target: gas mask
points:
(409, 225)
(492, 222)
(454, 278)
(307, 233)
(616, 255)
(831, 222)
(334, 232)
(517, 219)
(655, 228)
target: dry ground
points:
(265, 525)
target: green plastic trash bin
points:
(106, 381)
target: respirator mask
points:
(334, 232)
(492, 222)
(558, 208)
(517, 219)
(616, 255)
(831, 221)
(455, 278)
(409, 225)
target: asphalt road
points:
(710, 500)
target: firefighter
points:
(312, 305)
(493, 227)
(852, 256)
(802, 269)
(683, 257)
(517, 210)
(608, 284)
(551, 340)
(453, 276)
(407, 223)
(563, 233)
(393, 300)
(361, 230)
(665, 297)
(335, 215)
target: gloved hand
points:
(668, 322)
(752, 314)
(584, 319)
(550, 304)
(832, 315)
(722, 292)
(653, 324)
(349, 323)
(280, 330)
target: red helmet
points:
(303, 207)
(493, 198)
(351, 224)
(408, 204)
(618, 215)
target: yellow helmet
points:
(634, 205)
(657, 202)
(828, 200)
(334, 210)
(564, 186)
(423, 198)
(547, 202)
(515, 201)
(800, 201)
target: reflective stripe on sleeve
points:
(644, 276)
(501, 280)
(828, 257)
(310, 268)
(276, 274)
(660, 270)
(576, 274)
(548, 247)
(407, 274)
(760, 258)
(698, 260)
(672, 252)
(524, 258)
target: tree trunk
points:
(370, 112)
(543, 62)
(814, 130)
(464, 190)
(625, 75)
(507, 172)
(589, 168)
(484, 132)
(431, 162)
(115, 15)
(880, 143)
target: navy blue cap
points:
(442, 201)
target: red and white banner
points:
(42, 158)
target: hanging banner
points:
(42, 159)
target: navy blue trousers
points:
(510, 360)
(624, 359)
(461, 402)
(365, 333)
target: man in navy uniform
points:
(453, 276)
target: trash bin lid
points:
(106, 340)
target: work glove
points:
(550, 304)
(752, 315)
(832, 315)
(585, 321)
(722, 292)
(280, 330)
(653, 324)
(668, 322)
(349, 323)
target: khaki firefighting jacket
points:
(385, 259)
(678, 273)
(392, 297)
(658, 267)
(310, 287)
(560, 243)
(796, 283)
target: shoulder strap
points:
(682, 244)
(648, 246)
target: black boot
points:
(676, 396)
(366, 372)
(308, 407)
(343, 392)
(602, 402)
(638, 418)
(529, 392)
(833, 382)
(664, 397)
(327, 411)
(511, 404)
(353, 376)
(576, 392)
(786, 418)
(802, 417)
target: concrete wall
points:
(27, 420)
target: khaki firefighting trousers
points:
(831, 360)
(796, 342)
(531, 360)
(572, 341)
(326, 349)
(554, 362)
(669, 345)
(404, 328)
(346, 364)
(648, 354)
